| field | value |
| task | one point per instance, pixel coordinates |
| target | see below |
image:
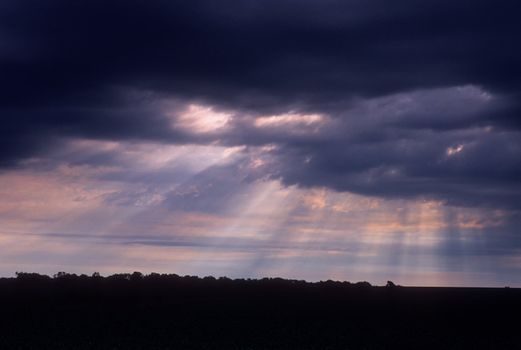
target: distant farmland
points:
(132, 311)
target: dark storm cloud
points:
(478, 168)
(256, 54)
(97, 69)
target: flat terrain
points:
(172, 312)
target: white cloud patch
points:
(196, 118)
(451, 151)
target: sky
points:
(312, 139)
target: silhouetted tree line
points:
(138, 276)
(139, 282)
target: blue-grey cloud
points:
(421, 99)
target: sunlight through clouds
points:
(221, 205)
(212, 209)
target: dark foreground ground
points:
(172, 312)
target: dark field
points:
(172, 312)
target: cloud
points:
(390, 100)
